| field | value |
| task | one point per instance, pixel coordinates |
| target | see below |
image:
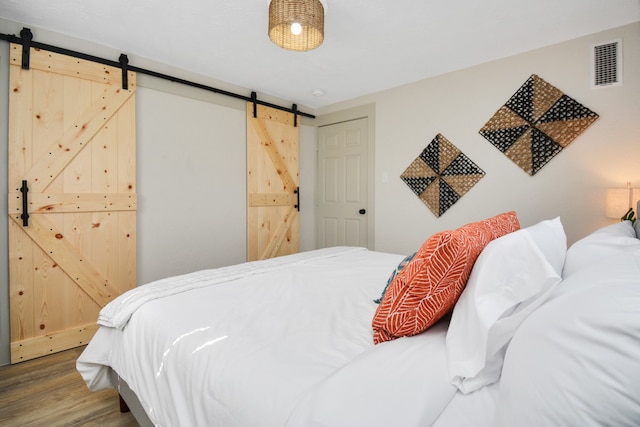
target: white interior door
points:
(342, 215)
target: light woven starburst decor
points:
(441, 175)
(536, 123)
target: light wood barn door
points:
(272, 183)
(72, 140)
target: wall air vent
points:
(606, 60)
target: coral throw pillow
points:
(429, 286)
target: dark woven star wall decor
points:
(441, 175)
(536, 124)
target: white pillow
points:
(574, 362)
(608, 241)
(512, 277)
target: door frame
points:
(367, 111)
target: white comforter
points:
(271, 343)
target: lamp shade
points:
(296, 24)
(619, 200)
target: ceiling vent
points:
(606, 60)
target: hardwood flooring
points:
(49, 392)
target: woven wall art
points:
(441, 175)
(536, 124)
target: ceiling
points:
(369, 46)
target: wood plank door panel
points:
(72, 139)
(272, 183)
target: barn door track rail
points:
(26, 40)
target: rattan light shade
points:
(308, 13)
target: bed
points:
(490, 324)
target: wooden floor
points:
(50, 392)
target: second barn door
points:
(272, 183)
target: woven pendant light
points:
(296, 24)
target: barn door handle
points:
(25, 214)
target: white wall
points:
(191, 185)
(572, 185)
(191, 173)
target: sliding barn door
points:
(272, 183)
(72, 145)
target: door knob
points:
(362, 211)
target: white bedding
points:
(289, 341)
(402, 382)
(223, 350)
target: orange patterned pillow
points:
(429, 286)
